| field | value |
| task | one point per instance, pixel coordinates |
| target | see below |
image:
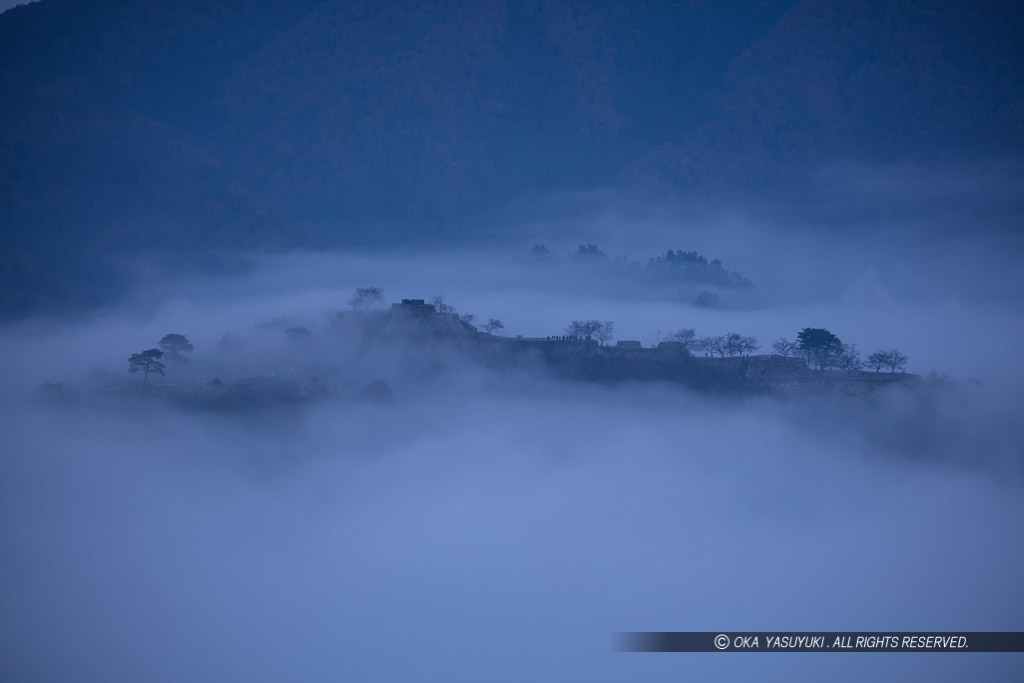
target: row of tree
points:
(819, 347)
(673, 264)
(592, 329)
(731, 344)
(823, 350)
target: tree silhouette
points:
(605, 332)
(684, 336)
(895, 360)
(819, 346)
(849, 358)
(784, 347)
(146, 362)
(175, 345)
(492, 325)
(441, 305)
(366, 297)
(735, 344)
(878, 360)
(583, 328)
(711, 345)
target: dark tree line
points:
(824, 351)
(673, 265)
(592, 329)
(727, 345)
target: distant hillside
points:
(135, 125)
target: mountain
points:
(135, 126)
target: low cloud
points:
(495, 523)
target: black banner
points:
(821, 641)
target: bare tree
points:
(878, 360)
(441, 305)
(146, 362)
(468, 318)
(784, 347)
(849, 358)
(583, 328)
(493, 325)
(366, 297)
(735, 344)
(895, 360)
(685, 336)
(605, 332)
(711, 345)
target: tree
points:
(492, 325)
(849, 358)
(468, 318)
(784, 347)
(589, 252)
(895, 360)
(366, 297)
(583, 328)
(605, 332)
(819, 346)
(878, 360)
(711, 345)
(748, 344)
(441, 305)
(539, 251)
(685, 336)
(146, 362)
(735, 344)
(174, 345)
(591, 328)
